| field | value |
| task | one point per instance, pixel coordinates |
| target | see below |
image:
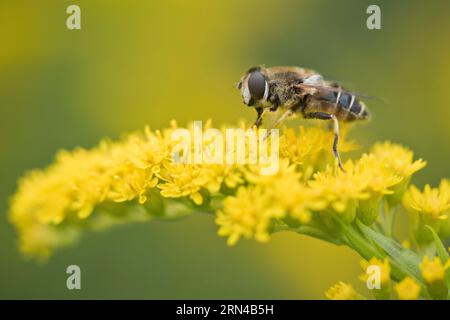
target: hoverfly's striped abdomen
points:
(344, 105)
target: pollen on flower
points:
(248, 214)
(397, 158)
(342, 291)
(407, 289)
(433, 270)
(182, 180)
(431, 202)
(380, 179)
(385, 270)
(341, 190)
(311, 146)
(399, 161)
(78, 181)
(254, 208)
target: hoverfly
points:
(301, 91)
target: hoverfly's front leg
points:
(259, 118)
(327, 116)
(288, 113)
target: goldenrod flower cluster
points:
(432, 271)
(407, 289)
(137, 178)
(385, 270)
(342, 291)
(428, 207)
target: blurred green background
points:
(146, 62)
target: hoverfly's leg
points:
(280, 119)
(278, 122)
(259, 118)
(327, 116)
(335, 142)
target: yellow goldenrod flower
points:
(342, 291)
(433, 270)
(341, 190)
(222, 175)
(397, 158)
(428, 207)
(380, 178)
(182, 180)
(130, 182)
(400, 161)
(138, 159)
(377, 277)
(385, 270)
(432, 202)
(247, 214)
(434, 274)
(139, 171)
(252, 210)
(407, 289)
(304, 195)
(311, 147)
(299, 201)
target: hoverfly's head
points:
(254, 87)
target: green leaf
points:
(406, 261)
(443, 254)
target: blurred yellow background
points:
(146, 62)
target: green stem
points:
(319, 234)
(389, 219)
(355, 241)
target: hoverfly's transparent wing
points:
(314, 80)
(333, 87)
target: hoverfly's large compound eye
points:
(257, 85)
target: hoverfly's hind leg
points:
(335, 142)
(259, 117)
(278, 122)
(327, 116)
